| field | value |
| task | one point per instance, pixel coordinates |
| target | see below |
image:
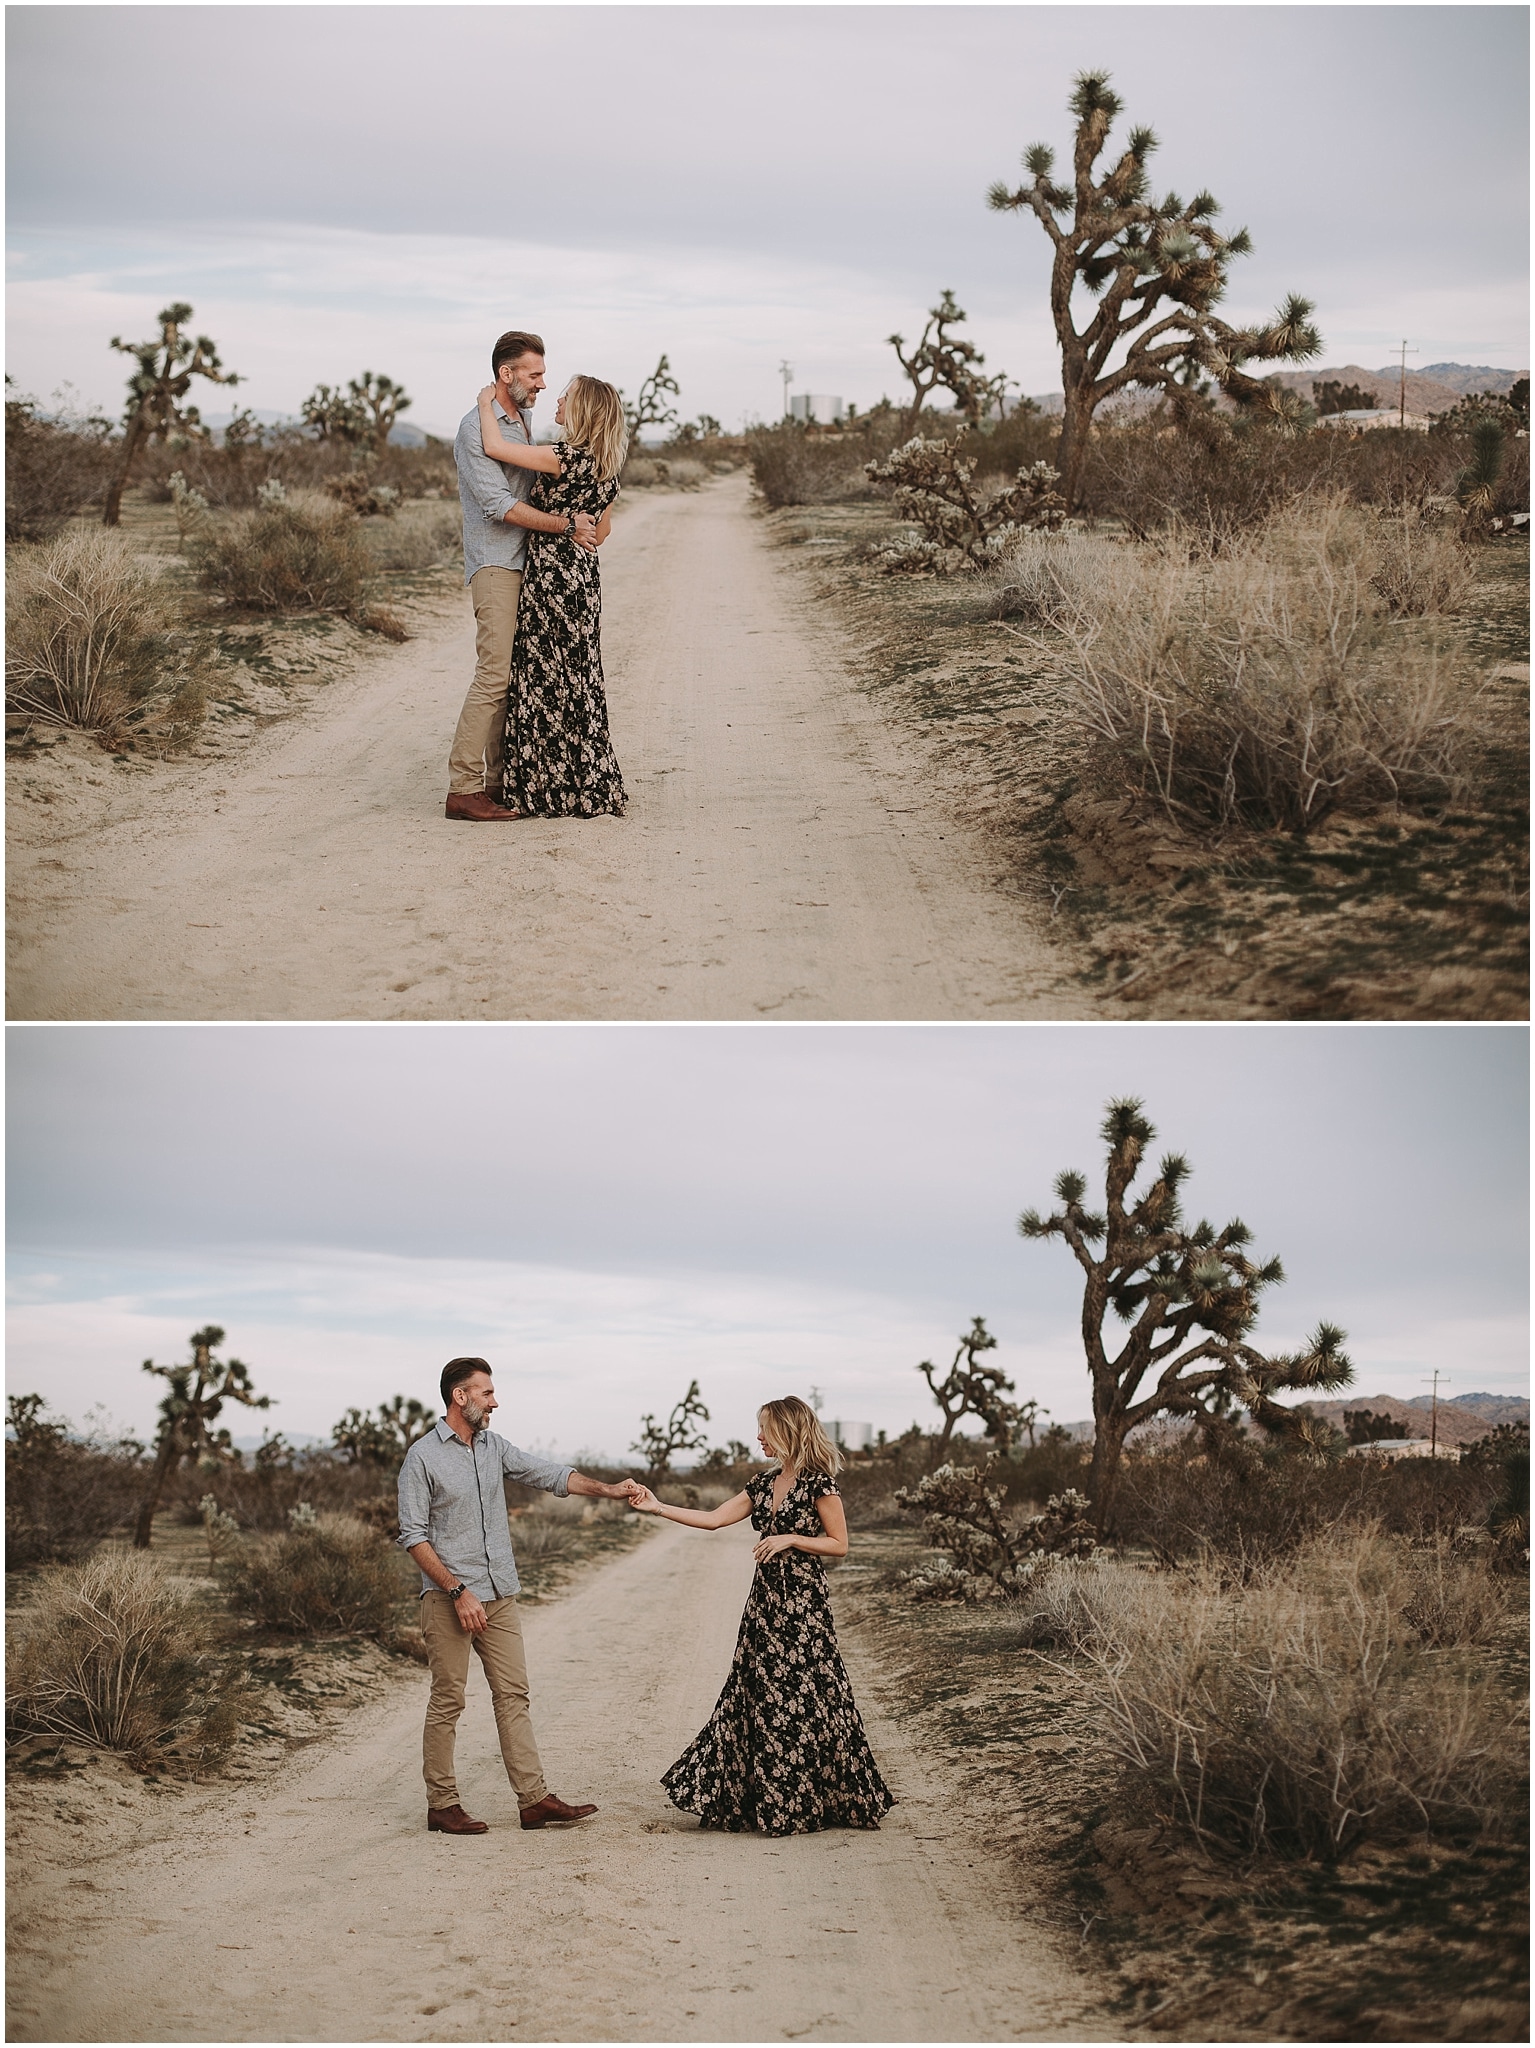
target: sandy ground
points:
(318, 1908)
(785, 853)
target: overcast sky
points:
(767, 1209)
(339, 188)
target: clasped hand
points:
(772, 1546)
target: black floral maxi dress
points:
(784, 1750)
(559, 758)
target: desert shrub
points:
(232, 478)
(1456, 1601)
(62, 1494)
(1003, 447)
(1032, 1472)
(986, 1549)
(115, 1657)
(1301, 1714)
(1266, 686)
(332, 1577)
(92, 640)
(362, 493)
(1420, 568)
(1049, 579)
(961, 523)
(791, 465)
(54, 467)
(302, 554)
(1080, 1603)
(418, 537)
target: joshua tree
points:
(363, 1439)
(1190, 1298)
(333, 416)
(650, 408)
(166, 367)
(1132, 253)
(942, 361)
(377, 402)
(1477, 485)
(198, 1390)
(970, 1388)
(659, 1446)
(1330, 396)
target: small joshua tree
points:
(970, 1388)
(659, 1446)
(1137, 256)
(1190, 1298)
(650, 408)
(331, 415)
(1476, 488)
(382, 1439)
(961, 525)
(166, 367)
(198, 1391)
(377, 402)
(942, 361)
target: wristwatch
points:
(454, 1591)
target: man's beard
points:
(476, 1417)
(520, 398)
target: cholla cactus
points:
(303, 1516)
(188, 504)
(963, 1515)
(221, 1530)
(272, 492)
(961, 525)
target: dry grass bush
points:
(54, 468)
(1051, 579)
(231, 479)
(1456, 1602)
(113, 1656)
(1266, 686)
(302, 554)
(336, 1577)
(1301, 1715)
(792, 466)
(261, 1492)
(419, 536)
(92, 641)
(1421, 569)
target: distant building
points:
(1389, 1447)
(851, 1436)
(816, 408)
(1380, 416)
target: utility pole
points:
(1433, 1427)
(786, 371)
(1401, 418)
(817, 1399)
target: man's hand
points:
(472, 1618)
(584, 531)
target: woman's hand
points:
(771, 1546)
(644, 1501)
(486, 395)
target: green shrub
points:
(301, 554)
(90, 637)
(337, 1577)
(114, 1656)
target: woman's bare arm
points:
(735, 1509)
(832, 1544)
(518, 453)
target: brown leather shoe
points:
(474, 804)
(551, 1810)
(452, 1820)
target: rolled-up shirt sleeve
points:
(484, 480)
(535, 1471)
(415, 1501)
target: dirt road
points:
(319, 1908)
(784, 855)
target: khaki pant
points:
(500, 1650)
(474, 761)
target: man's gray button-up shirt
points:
(488, 490)
(452, 1496)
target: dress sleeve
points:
(819, 1484)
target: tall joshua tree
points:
(378, 402)
(166, 367)
(1190, 1298)
(970, 1388)
(198, 1391)
(650, 409)
(1157, 269)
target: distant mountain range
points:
(404, 434)
(1461, 1421)
(1431, 390)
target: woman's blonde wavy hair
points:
(792, 1424)
(594, 420)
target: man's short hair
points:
(513, 345)
(454, 1374)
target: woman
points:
(784, 1750)
(559, 758)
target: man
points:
(497, 519)
(453, 1522)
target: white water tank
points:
(852, 1436)
(817, 406)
